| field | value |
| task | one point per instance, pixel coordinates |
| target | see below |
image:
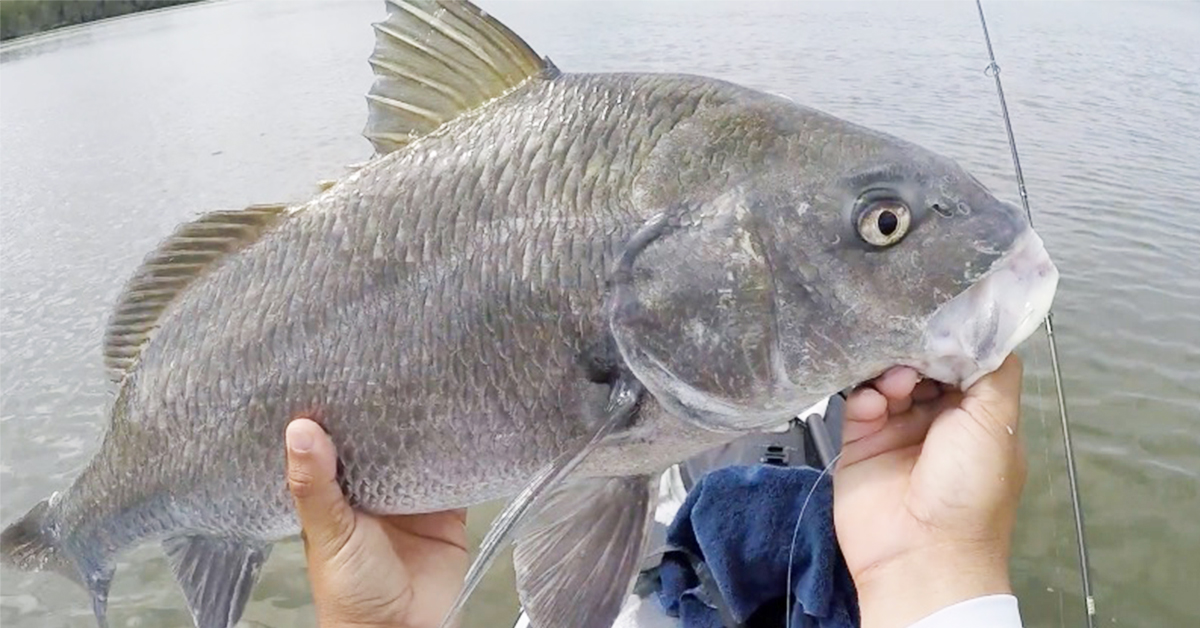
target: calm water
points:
(112, 134)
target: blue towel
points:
(736, 524)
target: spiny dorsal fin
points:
(194, 248)
(435, 60)
(325, 184)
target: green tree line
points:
(23, 17)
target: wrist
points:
(336, 619)
(901, 591)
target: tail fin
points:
(32, 544)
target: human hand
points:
(926, 492)
(368, 571)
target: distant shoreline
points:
(28, 17)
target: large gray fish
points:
(544, 284)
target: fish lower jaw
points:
(972, 334)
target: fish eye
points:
(884, 222)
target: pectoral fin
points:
(622, 403)
(577, 558)
(216, 575)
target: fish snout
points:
(971, 335)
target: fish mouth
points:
(971, 335)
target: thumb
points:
(325, 516)
(995, 400)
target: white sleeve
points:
(989, 611)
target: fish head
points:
(823, 267)
(899, 256)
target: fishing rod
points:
(1072, 480)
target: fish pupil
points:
(888, 222)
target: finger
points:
(864, 414)
(897, 383)
(900, 405)
(926, 391)
(865, 404)
(995, 400)
(460, 514)
(894, 434)
(324, 514)
(447, 526)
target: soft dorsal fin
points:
(194, 248)
(435, 60)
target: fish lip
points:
(970, 335)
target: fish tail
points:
(33, 543)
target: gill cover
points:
(692, 311)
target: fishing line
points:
(1041, 404)
(787, 605)
(993, 70)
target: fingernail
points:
(299, 440)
